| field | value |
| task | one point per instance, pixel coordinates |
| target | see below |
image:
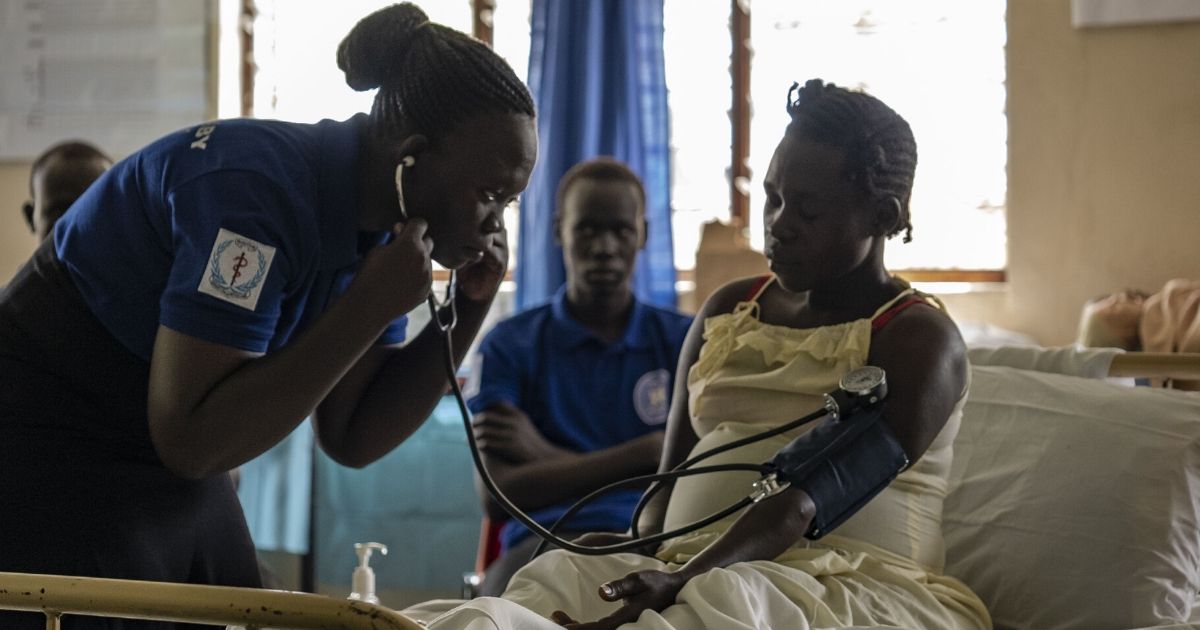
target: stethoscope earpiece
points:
(444, 313)
(407, 160)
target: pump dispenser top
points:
(362, 585)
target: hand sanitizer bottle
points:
(362, 583)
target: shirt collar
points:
(338, 190)
(573, 333)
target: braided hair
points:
(881, 154)
(431, 77)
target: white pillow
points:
(1073, 503)
(1085, 362)
(979, 333)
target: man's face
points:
(601, 228)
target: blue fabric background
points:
(597, 74)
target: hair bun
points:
(813, 88)
(374, 50)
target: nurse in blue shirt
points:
(572, 395)
(215, 288)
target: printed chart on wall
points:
(119, 73)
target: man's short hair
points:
(602, 168)
(70, 150)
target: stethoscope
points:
(858, 388)
(444, 313)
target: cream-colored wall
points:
(1104, 166)
(16, 242)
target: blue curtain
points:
(597, 75)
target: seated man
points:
(573, 394)
(57, 178)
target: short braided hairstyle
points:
(602, 169)
(431, 77)
(881, 153)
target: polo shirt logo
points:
(236, 269)
(650, 398)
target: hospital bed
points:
(57, 596)
(1073, 503)
(1073, 500)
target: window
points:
(940, 64)
(696, 46)
(510, 39)
(295, 48)
(510, 34)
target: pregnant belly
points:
(697, 497)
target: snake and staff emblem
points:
(237, 268)
(228, 265)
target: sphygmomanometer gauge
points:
(865, 381)
(860, 387)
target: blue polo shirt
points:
(581, 392)
(239, 232)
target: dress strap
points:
(901, 297)
(883, 318)
(898, 304)
(758, 287)
(748, 307)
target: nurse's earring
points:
(408, 161)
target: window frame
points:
(740, 115)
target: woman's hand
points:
(653, 590)
(396, 277)
(479, 280)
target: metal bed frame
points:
(56, 596)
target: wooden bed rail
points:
(59, 595)
(1182, 366)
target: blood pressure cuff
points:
(842, 464)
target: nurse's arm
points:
(213, 407)
(390, 392)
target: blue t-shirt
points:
(239, 232)
(581, 392)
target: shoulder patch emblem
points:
(650, 396)
(236, 269)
